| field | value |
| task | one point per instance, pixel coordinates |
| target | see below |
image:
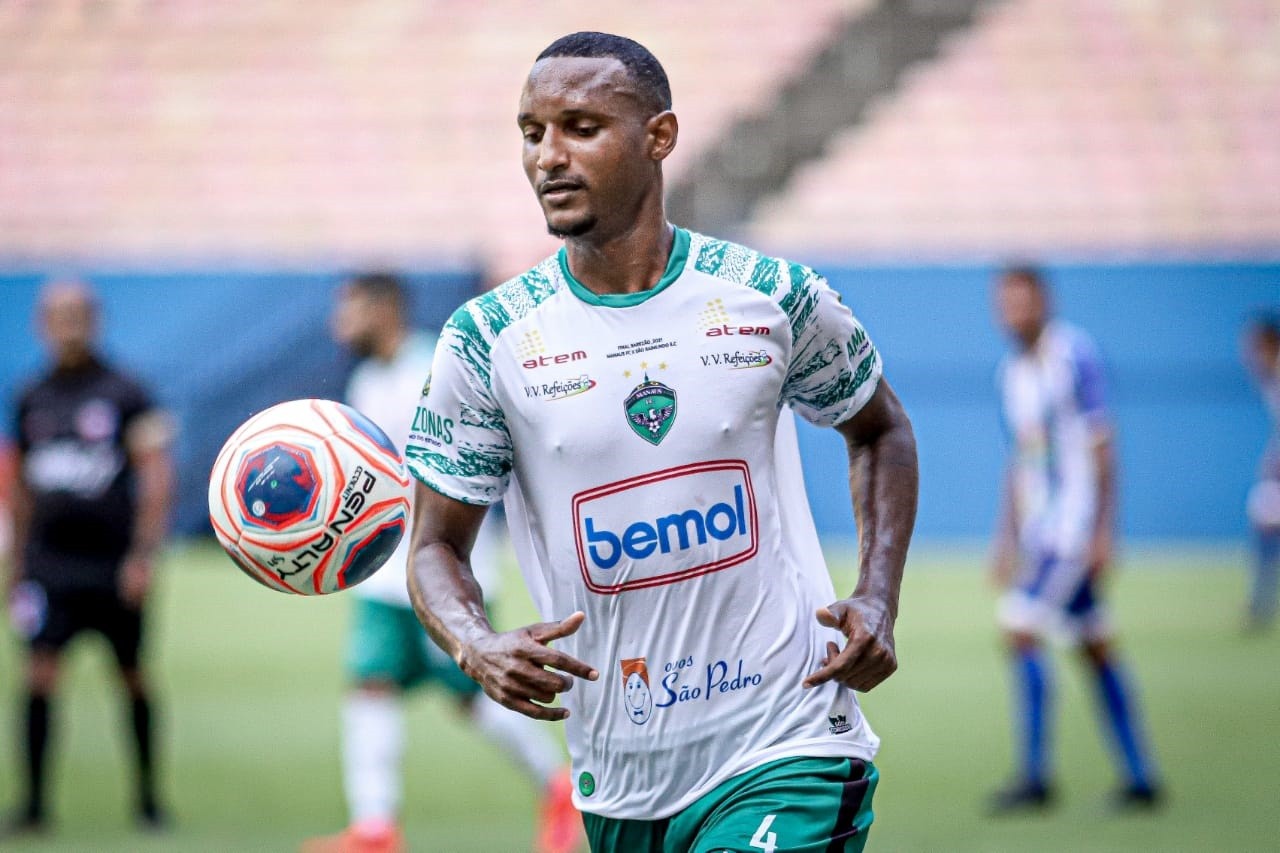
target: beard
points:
(577, 229)
(361, 346)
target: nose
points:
(552, 154)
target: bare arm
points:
(147, 444)
(20, 508)
(1100, 550)
(884, 481)
(442, 587)
(153, 474)
(513, 667)
(1005, 551)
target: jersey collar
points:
(675, 266)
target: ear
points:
(662, 131)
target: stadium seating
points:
(299, 132)
(1112, 128)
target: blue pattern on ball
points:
(371, 431)
(367, 557)
(277, 487)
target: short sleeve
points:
(144, 426)
(459, 444)
(834, 367)
(1088, 382)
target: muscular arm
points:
(147, 443)
(884, 481)
(153, 474)
(1100, 551)
(21, 508)
(513, 667)
(1005, 551)
(442, 587)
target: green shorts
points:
(387, 643)
(810, 804)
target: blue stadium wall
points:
(214, 348)
(220, 346)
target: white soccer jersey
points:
(648, 483)
(378, 389)
(1054, 409)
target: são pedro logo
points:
(651, 410)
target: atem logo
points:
(711, 525)
(548, 360)
(718, 331)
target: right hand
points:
(514, 667)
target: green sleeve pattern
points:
(463, 448)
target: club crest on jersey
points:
(651, 410)
(636, 695)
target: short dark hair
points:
(381, 285)
(1265, 322)
(641, 64)
(1025, 273)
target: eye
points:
(532, 134)
(586, 130)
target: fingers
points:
(545, 632)
(832, 651)
(530, 709)
(862, 665)
(827, 619)
(555, 659)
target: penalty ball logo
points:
(651, 410)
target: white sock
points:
(372, 746)
(529, 742)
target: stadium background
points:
(216, 168)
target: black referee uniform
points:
(72, 427)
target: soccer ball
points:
(309, 497)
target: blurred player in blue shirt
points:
(1262, 353)
(1054, 541)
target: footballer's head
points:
(1022, 303)
(68, 318)
(596, 118)
(369, 310)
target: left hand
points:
(868, 658)
(135, 579)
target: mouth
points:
(559, 189)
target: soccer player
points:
(388, 652)
(1055, 536)
(90, 504)
(1262, 353)
(624, 396)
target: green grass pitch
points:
(251, 681)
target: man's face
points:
(585, 145)
(68, 322)
(1020, 309)
(355, 321)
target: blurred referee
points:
(90, 506)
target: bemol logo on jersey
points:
(666, 526)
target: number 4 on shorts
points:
(764, 839)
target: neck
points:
(70, 361)
(1031, 343)
(388, 344)
(629, 262)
